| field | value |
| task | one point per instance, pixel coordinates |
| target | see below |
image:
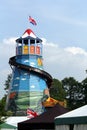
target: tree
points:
(56, 91)
(8, 81)
(2, 110)
(73, 92)
(84, 89)
(4, 113)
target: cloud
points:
(59, 62)
(49, 44)
(10, 41)
(65, 62)
(7, 49)
(76, 50)
(3, 76)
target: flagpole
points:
(28, 22)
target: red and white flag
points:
(31, 20)
(31, 113)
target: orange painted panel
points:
(32, 49)
(37, 50)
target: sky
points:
(61, 24)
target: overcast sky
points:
(62, 24)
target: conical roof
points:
(27, 33)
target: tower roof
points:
(28, 34)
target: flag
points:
(32, 20)
(31, 113)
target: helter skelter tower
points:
(29, 80)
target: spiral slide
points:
(41, 73)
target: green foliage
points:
(74, 94)
(84, 90)
(2, 105)
(4, 114)
(8, 81)
(56, 91)
(2, 110)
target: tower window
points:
(26, 41)
(32, 41)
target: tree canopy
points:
(57, 91)
(74, 92)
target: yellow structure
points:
(50, 102)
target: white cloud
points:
(3, 76)
(7, 50)
(76, 50)
(48, 44)
(65, 62)
(10, 41)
